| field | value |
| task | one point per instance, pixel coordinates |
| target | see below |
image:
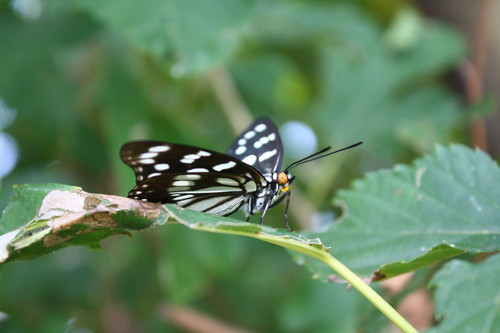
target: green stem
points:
(294, 242)
(345, 273)
(369, 293)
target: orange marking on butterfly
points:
(282, 178)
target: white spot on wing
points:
(161, 167)
(154, 175)
(224, 166)
(148, 155)
(183, 197)
(183, 183)
(240, 150)
(250, 186)
(257, 144)
(242, 142)
(190, 158)
(198, 170)
(271, 137)
(227, 181)
(204, 153)
(267, 154)
(249, 135)
(159, 149)
(260, 127)
(187, 177)
(147, 161)
(250, 159)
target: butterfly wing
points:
(214, 193)
(259, 146)
(190, 177)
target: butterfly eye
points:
(282, 178)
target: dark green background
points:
(86, 76)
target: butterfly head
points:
(284, 180)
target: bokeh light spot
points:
(298, 138)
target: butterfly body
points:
(207, 181)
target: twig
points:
(475, 72)
(194, 321)
(232, 104)
(482, 34)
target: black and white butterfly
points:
(248, 177)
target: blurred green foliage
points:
(85, 76)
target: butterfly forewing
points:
(150, 159)
(259, 146)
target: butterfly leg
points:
(286, 210)
(249, 208)
(266, 207)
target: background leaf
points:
(195, 35)
(443, 205)
(466, 296)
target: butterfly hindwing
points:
(215, 193)
(259, 146)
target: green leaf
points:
(289, 240)
(76, 217)
(467, 296)
(205, 33)
(23, 205)
(206, 222)
(56, 216)
(143, 23)
(199, 34)
(409, 217)
(51, 217)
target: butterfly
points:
(248, 177)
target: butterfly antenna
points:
(315, 156)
